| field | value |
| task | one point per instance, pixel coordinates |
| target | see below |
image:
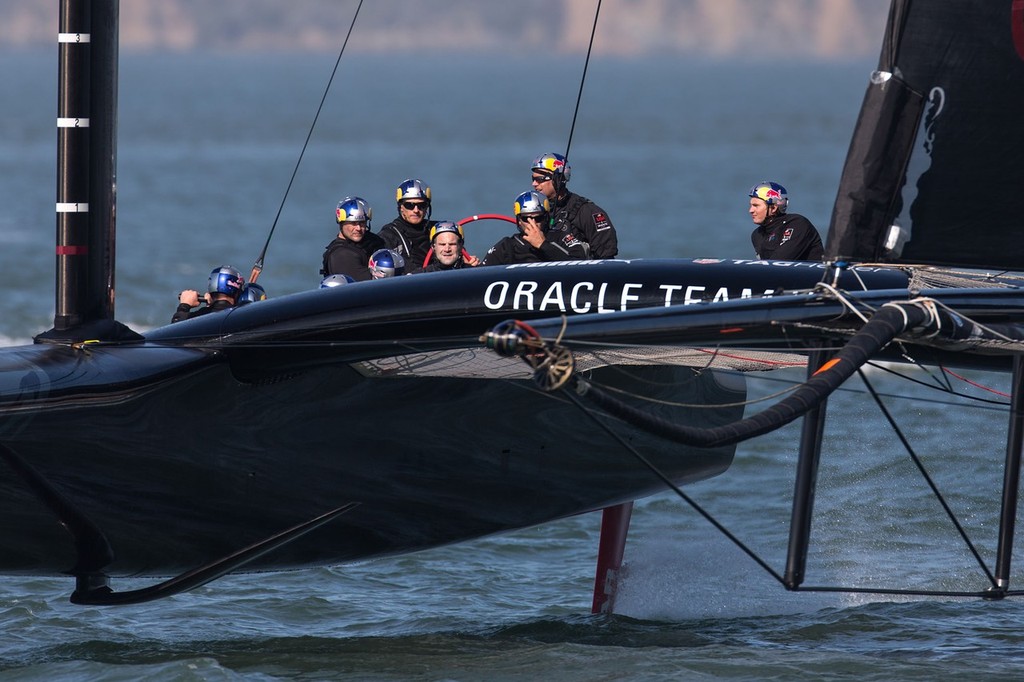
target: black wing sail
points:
(934, 167)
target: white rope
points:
(842, 299)
(903, 312)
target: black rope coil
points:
(886, 324)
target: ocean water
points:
(208, 145)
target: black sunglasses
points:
(540, 178)
(413, 205)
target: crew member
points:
(251, 293)
(223, 292)
(536, 240)
(780, 235)
(336, 281)
(350, 251)
(447, 249)
(386, 263)
(571, 212)
(409, 233)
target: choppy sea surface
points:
(207, 147)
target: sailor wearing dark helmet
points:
(252, 293)
(349, 252)
(571, 212)
(447, 249)
(536, 239)
(409, 233)
(224, 290)
(780, 235)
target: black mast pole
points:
(86, 171)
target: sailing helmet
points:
(771, 193)
(447, 226)
(226, 280)
(386, 263)
(253, 292)
(412, 189)
(354, 209)
(531, 202)
(336, 281)
(554, 165)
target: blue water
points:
(207, 147)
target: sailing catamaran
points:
(102, 480)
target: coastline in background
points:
(832, 30)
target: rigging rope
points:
(583, 79)
(928, 319)
(739, 544)
(257, 267)
(765, 566)
(926, 476)
(603, 424)
(900, 319)
(971, 382)
(885, 325)
(940, 383)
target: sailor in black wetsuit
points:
(224, 289)
(350, 251)
(573, 213)
(447, 251)
(536, 239)
(780, 235)
(408, 234)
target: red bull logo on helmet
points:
(552, 163)
(771, 193)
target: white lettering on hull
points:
(600, 297)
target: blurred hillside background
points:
(833, 30)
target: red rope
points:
(975, 383)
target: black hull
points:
(171, 488)
(221, 431)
